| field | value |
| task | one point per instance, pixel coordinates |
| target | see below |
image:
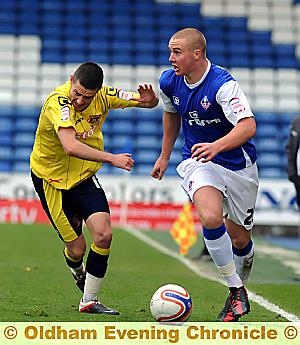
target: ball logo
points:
(171, 303)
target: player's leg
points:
(206, 186)
(73, 253)
(209, 204)
(239, 205)
(243, 249)
(93, 208)
(97, 263)
(58, 207)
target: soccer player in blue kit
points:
(218, 169)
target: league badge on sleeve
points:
(236, 105)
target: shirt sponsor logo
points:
(65, 113)
(87, 134)
(194, 119)
(205, 103)
(236, 105)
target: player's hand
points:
(204, 151)
(123, 161)
(159, 168)
(147, 95)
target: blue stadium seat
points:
(23, 139)
(6, 125)
(20, 167)
(270, 130)
(26, 125)
(6, 153)
(142, 169)
(269, 145)
(146, 156)
(5, 138)
(147, 127)
(22, 154)
(31, 112)
(121, 143)
(7, 111)
(122, 127)
(146, 142)
(274, 173)
(53, 5)
(5, 166)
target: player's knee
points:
(210, 220)
(239, 242)
(103, 239)
(76, 253)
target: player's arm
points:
(147, 98)
(76, 148)
(171, 128)
(237, 110)
(239, 135)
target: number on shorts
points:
(249, 219)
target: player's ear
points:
(197, 54)
(71, 78)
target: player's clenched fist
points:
(123, 160)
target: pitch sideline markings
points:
(205, 274)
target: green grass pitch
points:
(36, 285)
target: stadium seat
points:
(143, 156)
(5, 166)
(20, 167)
(6, 153)
(23, 139)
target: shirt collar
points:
(192, 86)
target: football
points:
(171, 303)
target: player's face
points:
(181, 57)
(81, 97)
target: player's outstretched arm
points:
(148, 98)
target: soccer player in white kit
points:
(218, 169)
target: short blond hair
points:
(194, 38)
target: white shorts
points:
(238, 187)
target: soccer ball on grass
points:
(171, 303)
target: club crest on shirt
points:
(236, 105)
(205, 103)
(176, 100)
(93, 119)
(65, 113)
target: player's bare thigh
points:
(208, 201)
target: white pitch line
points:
(205, 274)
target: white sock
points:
(220, 250)
(243, 265)
(91, 287)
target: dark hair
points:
(90, 75)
